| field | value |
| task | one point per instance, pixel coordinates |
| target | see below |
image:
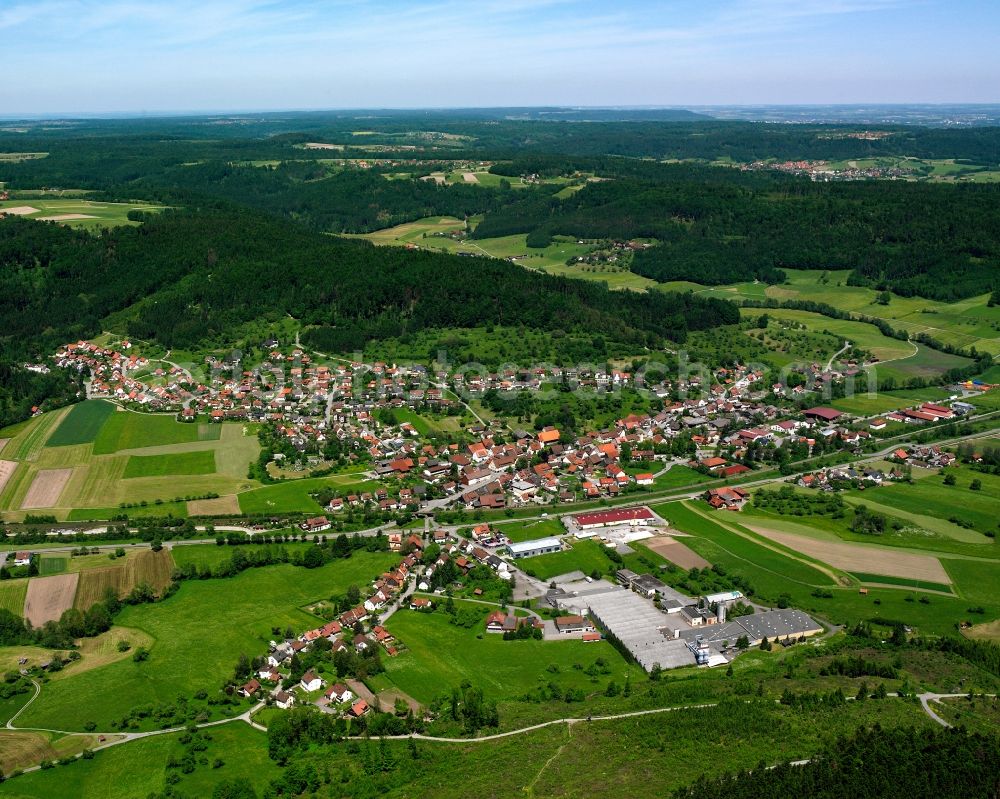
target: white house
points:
(310, 681)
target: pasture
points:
(293, 496)
(77, 211)
(197, 638)
(82, 424)
(440, 655)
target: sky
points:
(132, 56)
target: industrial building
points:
(540, 546)
(634, 517)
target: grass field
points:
(79, 212)
(82, 424)
(27, 439)
(140, 768)
(585, 556)
(211, 555)
(12, 594)
(863, 404)
(440, 655)
(130, 430)
(294, 495)
(19, 749)
(529, 530)
(197, 639)
(198, 462)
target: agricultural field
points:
(12, 594)
(532, 529)
(48, 597)
(818, 588)
(82, 424)
(20, 749)
(141, 566)
(212, 555)
(197, 462)
(76, 212)
(182, 660)
(89, 462)
(94, 652)
(865, 404)
(966, 323)
(440, 655)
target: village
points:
(725, 433)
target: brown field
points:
(144, 566)
(3, 443)
(862, 558)
(676, 552)
(65, 217)
(6, 468)
(46, 488)
(22, 749)
(48, 597)
(19, 210)
(387, 700)
(470, 177)
(987, 631)
(211, 507)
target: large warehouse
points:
(634, 517)
(540, 546)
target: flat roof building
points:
(540, 546)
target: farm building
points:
(822, 414)
(573, 624)
(540, 546)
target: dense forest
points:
(191, 278)
(889, 764)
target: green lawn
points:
(440, 655)
(529, 530)
(82, 424)
(140, 768)
(586, 556)
(130, 430)
(199, 462)
(52, 564)
(293, 496)
(199, 634)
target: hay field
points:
(48, 597)
(46, 488)
(143, 566)
(861, 557)
(77, 211)
(676, 552)
(12, 594)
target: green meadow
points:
(82, 424)
(584, 555)
(197, 462)
(197, 639)
(79, 211)
(440, 655)
(130, 430)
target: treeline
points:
(906, 763)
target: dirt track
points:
(46, 488)
(861, 558)
(48, 597)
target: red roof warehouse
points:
(826, 414)
(618, 516)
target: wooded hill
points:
(719, 225)
(192, 278)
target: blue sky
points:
(107, 56)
